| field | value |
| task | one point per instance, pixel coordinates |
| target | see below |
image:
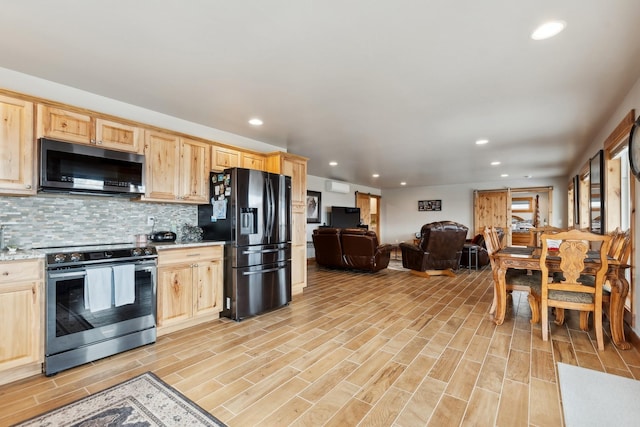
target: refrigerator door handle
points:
(249, 273)
(270, 212)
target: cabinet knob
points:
(28, 186)
(5, 273)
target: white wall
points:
(631, 101)
(30, 85)
(328, 199)
(401, 218)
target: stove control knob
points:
(136, 251)
(59, 257)
(148, 251)
(75, 257)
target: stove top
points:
(99, 253)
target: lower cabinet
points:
(21, 317)
(190, 284)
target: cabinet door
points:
(20, 324)
(65, 125)
(162, 153)
(194, 171)
(118, 136)
(253, 161)
(174, 294)
(17, 159)
(297, 170)
(223, 158)
(207, 287)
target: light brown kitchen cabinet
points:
(190, 284)
(177, 169)
(17, 147)
(295, 167)
(84, 128)
(223, 158)
(118, 136)
(253, 161)
(21, 314)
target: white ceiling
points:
(402, 88)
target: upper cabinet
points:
(83, 128)
(295, 167)
(177, 169)
(224, 157)
(17, 147)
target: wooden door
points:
(223, 158)
(492, 208)
(175, 291)
(118, 136)
(194, 171)
(162, 152)
(65, 125)
(207, 282)
(17, 158)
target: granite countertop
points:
(175, 245)
(21, 254)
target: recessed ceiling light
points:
(255, 122)
(482, 141)
(403, 183)
(495, 163)
(548, 29)
(504, 175)
(376, 175)
(333, 163)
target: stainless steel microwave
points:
(76, 168)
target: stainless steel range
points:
(100, 300)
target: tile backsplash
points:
(49, 220)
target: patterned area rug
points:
(396, 264)
(144, 400)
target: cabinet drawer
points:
(177, 256)
(20, 271)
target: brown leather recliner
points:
(350, 248)
(439, 248)
(360, 250)
(326, 242)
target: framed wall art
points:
(314, 199)
(429, 205)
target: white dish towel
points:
(124, 287)
(98, 289)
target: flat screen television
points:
(344, 217)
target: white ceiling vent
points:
(337, 187)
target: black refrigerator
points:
(250, 211)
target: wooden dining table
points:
(528, 258)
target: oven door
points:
(70, 325)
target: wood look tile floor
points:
(384, 349)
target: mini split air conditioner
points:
(337, 187)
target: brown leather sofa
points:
(350, 248)
(439, 249)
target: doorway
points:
(369, 205)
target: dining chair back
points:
(516, 280)
(569, 292)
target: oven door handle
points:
(61, 275)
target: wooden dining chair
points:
(516, 280)
(570, 292)
(619, 250)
